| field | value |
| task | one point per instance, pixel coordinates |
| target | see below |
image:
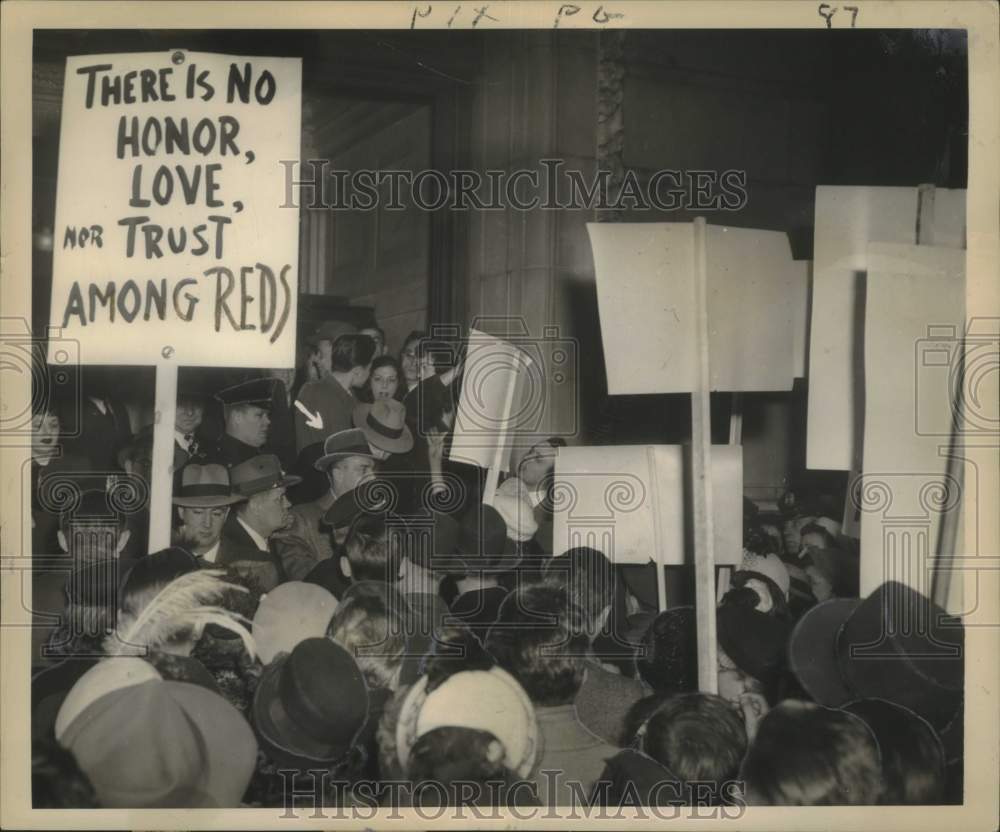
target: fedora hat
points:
(384, 425)
(343, 443)
(330, 331)
(179, 746)
(204, 486)
(289, 613)
(260, 473)
(372, 496)
(258, 392)
(895, 645)
(484, 700)
(311, 705)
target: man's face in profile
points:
(537, 464)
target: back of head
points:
(369, 623)
(670, 660)
(808, 755)
(589, 577)
(350, 351)
(699, 737)
(449, 756)
(541, 639)
(372, 552)
(911, 753)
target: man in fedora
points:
(347, 459)
(203, 500)
(247, 410)
(325, 406)
(261, 484)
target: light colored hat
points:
(103, 678)
(483, 700)
(163, 744)
(205, 486)
(384, 425)
(832, 526)
(771, 566)
(290, 613)
(518, 514)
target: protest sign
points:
(633, 502)
(493, 386)
(645, 286)
(914, 325)
(172, 245)
(171, 241)
(847, 220)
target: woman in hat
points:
(309, 712)
(474, 727)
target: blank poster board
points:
(847, 220)
(645, 295)
(629, 501)
(914, 318)
(494, 384)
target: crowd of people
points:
(344, 618)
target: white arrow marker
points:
(313, 420)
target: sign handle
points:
(502, 436)
(163, 456)
(736, 419)
(701, 467)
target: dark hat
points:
(158, 568)
(311, 705)
(92, 506)
(94, 585)
(205, 486)
(384, 425)
(257, 391)
(343, 443)
(369, 497)
(163, 744)
(755, 641)
(895, 645)
(812, 651)
(482, 542)
(260, 473)
(331, 331)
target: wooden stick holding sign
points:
(165, 410)
(164, 263)
(701, 481)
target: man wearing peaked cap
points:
(346, 460)
(247, 546)
(247, 407)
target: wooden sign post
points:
(170, 173)
(701, 482)
(690, 289)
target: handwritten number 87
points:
(827, 12)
